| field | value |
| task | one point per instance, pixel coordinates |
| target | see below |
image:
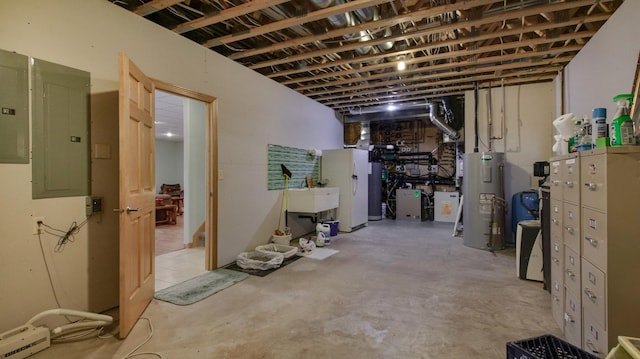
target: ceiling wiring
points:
(288, 37)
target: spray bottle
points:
(621, 130)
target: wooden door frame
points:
(211, 216)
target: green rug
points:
(200, 287)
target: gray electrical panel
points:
(61, 143)
(14, 104)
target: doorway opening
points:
(182, 151)
(177, 259)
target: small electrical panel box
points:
(96, 203)
(93, 205)
(14, 104)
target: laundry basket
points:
(259, 260)
(286, 251)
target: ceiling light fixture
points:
(401, 65)
(391, 107)
(169, 134)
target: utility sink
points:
(313, 200)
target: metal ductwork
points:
(386, 46)
(414, 114)
(349, 19)
(440, 122)
(386, 108)
(411, 110)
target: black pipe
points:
(414, 153)
(475, 122)
(314, 219)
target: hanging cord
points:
(63, 240)
(131, 355)
(46, 265)
(64, 236)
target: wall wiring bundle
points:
(64, 236)
(98, 322)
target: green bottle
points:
(621, 131)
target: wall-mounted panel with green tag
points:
(14, 105)
(60, 131)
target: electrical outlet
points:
(36, 228)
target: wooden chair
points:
(171, 189)
(166, 211)
(176, 193)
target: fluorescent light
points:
(401, 65)
(391, 107)
(169, 134)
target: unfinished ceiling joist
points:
(345, 54)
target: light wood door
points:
(137, 193)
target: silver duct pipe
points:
(385, 108)
(364, 37)
(322, 4)
(386, 46)
(416, 114)
(340, 20)
(348, 19)
(440, 123)
(368, 13)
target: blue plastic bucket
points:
(524, 207)
(333, 225)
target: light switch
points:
(102, 151)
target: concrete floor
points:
(395, 290)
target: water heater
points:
(482, 199)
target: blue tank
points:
(524, 206)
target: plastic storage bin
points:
(545, 347)
(333, 225)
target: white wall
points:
(253, 111)
(528, 134)
(195, 129)
(606, 66)
(169, 163)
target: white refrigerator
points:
(348, 169)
